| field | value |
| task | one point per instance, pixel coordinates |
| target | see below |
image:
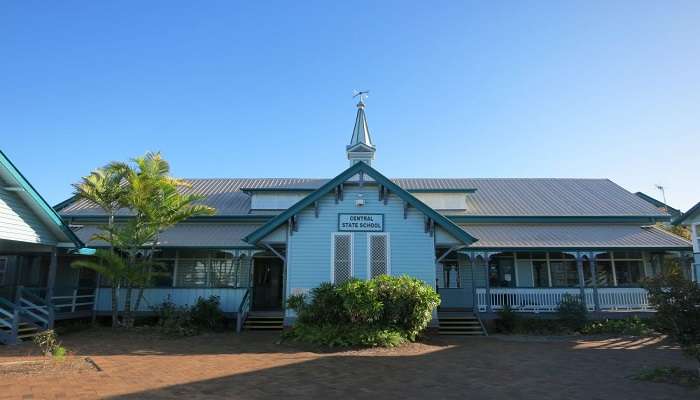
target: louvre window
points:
(378, 254)
(342, 257)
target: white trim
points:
(387, 254)
(352, 253)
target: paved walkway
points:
(252, 366)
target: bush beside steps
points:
(382, 312)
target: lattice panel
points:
(378, 249)
(342, 258)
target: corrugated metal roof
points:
(573, 236)
(493, 197)
(212, 235)
(491, 236)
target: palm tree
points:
(105, 188)
(154, 197)
(131, 237)
(114, 266)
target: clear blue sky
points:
(463, 89)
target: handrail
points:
(243, 309)
(34, 298)
(7, 303)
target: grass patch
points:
(673, 375)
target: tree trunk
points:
(128, 319)
(115, 289)
(115, 310)
(143, 285)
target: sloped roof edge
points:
(360, 166)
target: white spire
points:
(361, 147)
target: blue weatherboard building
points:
(483, 243)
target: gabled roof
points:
(9, 172)
(694, 209)
(659, 204)
(489, 197)
(282, 218)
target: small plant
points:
(633, 326)
(47, 342)
(59, 353)
(675, 375)
(174, 320)
(206, 313)
(508, 320)
(572, 313)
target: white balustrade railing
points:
(548, 299)
(624, 299)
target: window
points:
(502, 271)
(628, 272)
(563, 270)
(202, 268)
(341, 257)
(604, 272)
(540, 272)
(161, 274)
(378, 254)
(3, 269)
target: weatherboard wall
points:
(412, 249)
(19, 223)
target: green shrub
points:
(174, 320)
(47, 342)
(508, 320)
(59, 353)
(572, 312)
(633, 326)
(206, 313)
(333, 335)
(384, 311)
(326, 306)
(677, 304)
(408, 303)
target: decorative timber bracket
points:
(383, 194)
(293, 224)
(429, 226)
(338, 193)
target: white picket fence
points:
(548, 299)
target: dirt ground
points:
(141, 365)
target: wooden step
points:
(454, 323)
(264, 322)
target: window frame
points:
(352, 253)
(387, 257)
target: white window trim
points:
(352, 253)
(369, 253)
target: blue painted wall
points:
(230, 299)
(309, 253)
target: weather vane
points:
(362, 93)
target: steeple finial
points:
(361, 147)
